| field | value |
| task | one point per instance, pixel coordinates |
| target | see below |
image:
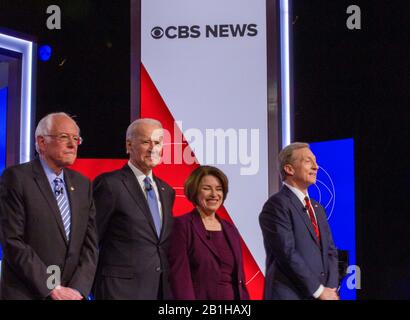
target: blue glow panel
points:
(3, 127)
(25, 48)
(3, 133)
(334, 189)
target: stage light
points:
(44, 52)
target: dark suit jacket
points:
(296, 264)
(34, 237)
(133, 261)
(195, 262)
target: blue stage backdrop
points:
(3, 132)
(334, 189)
(3, 127)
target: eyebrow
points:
(208, 185)
(72, 134)
(145, 138)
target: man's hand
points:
(329, 294)
(65, 293)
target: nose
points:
(151, 145)
(71, 142)
(315, 166)
(214, 193)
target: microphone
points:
(58, 191)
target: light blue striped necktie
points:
(63, 205)
(153, 204)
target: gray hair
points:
(134, 125)
(286, 155)
(45, 124)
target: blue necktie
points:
(63, 205)
(153, 204)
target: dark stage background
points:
(346, 84)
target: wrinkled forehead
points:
(303, 153)
(62, 124)
(149, 131)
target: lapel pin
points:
(162, 188)
(315, 205)
(72, 188)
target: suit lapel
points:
(166, 206)
(44, 186)
(201, 232)
(300, 210)
(133, 187)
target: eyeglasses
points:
(65, 138)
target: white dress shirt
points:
(301, 196)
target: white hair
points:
(135, 124)
(45, 124)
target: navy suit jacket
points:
(296, 263)
(133, 262)
(195, 262)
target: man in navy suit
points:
(134, 221)
(302, 261)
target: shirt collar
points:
(299, 194)
(50, 173)
(139, 174)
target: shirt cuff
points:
(318, 292)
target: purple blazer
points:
(195, 262)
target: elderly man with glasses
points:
(47, 218)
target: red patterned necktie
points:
(312, 217)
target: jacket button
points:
(322, 274)
(158, 269)
(240, 281)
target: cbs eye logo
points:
(157, 32)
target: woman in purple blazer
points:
(205, 251)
